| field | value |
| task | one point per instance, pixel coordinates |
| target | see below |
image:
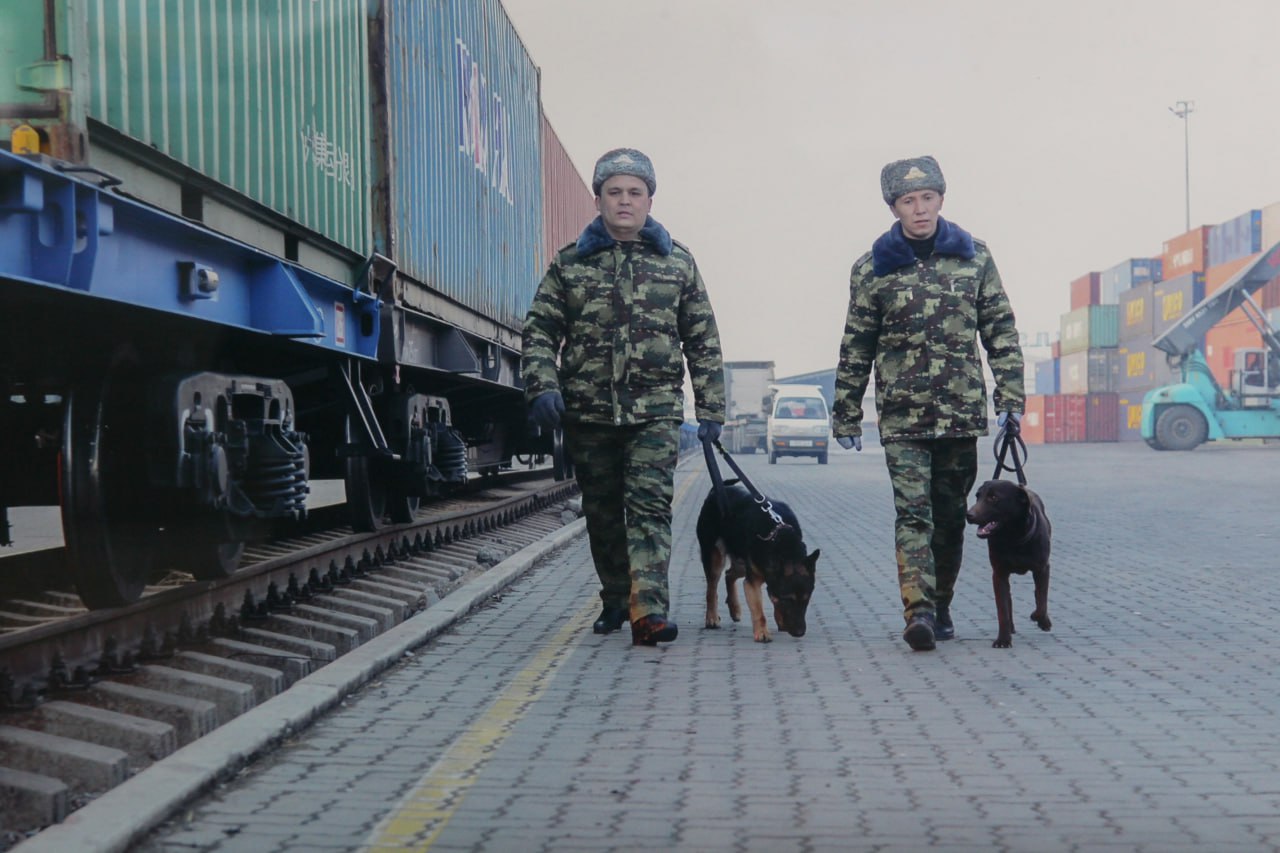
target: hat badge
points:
(914, 174)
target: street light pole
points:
(1183, 109)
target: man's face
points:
(624, 203)
(918, 212)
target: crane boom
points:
(1185, 335)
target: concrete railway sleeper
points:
(90, 698)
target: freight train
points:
(247, 246)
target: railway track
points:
(90, 698)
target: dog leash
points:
(1010, 442)
(717, 480)
(718, 483)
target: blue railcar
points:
(211, 296)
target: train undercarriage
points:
(174, 392)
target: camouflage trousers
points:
(931, 482)
(626, 475)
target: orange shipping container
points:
(1220, 274)
(1270, 225)
(1186, 253)
(1033, 420)
(1085, 291)
(1221, 343)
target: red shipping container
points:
(1221, 343)
(1085, 290)
(1072, 412)
(1102, 417)
(1055, 418)
(567, 203)
(1186, 253)
(1033, 419)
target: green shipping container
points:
(267, 97)
(1090, 327)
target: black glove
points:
(708, 430)
(546, 410)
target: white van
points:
(799, 423)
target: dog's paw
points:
(763, 637)
(1002, 642)
(1042, 619)
(713, 621)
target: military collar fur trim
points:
(596, 238)
(891, 251)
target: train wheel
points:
(402, 508)
(205, 549)
(562, 461)
(369, 497)
(366, 496)
(108, 517)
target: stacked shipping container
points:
(1104, 363)
(412, 130)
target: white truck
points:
(746, 390)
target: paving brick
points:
(1146, 717)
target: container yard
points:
(1104, 362)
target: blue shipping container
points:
(1047, 376)
(1235, 238)
(1126, 274)
(464, 144)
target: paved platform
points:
(1145, 721)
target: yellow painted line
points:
(417, 821)
(422, 815)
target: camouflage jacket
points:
(621, 319)
(919, 323)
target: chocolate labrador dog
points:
(1011, 518)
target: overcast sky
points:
(768, 122)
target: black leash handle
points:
(1011, 443)
(717, 480)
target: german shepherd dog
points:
(1012, 519)
(761, 551)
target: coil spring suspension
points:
(276, 480)
(451, 455)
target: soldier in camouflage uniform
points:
(605, 341)
(919, 302)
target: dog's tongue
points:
(988, 528)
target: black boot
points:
(651, 630)
(943, 629)
(611, 619)
(919, 632)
